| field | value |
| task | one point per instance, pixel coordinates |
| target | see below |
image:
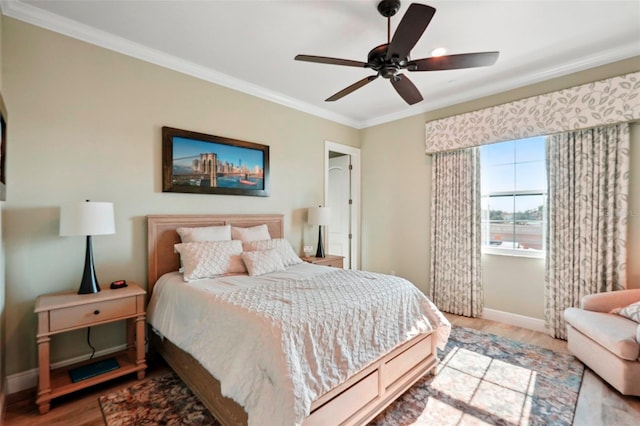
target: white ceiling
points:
(249, 45)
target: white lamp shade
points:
(87, 218)
(319, 215)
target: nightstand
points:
(62, 312)
(328, 260)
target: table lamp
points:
(87, 218)
(319, 216)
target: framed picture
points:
(206, 164)
(3, 151)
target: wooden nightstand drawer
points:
(82, 315)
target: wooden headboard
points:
(162, 236)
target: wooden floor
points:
(598, 404)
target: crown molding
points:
(68, 27)
(44, 19)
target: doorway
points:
(342, 195)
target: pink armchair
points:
(607, 343)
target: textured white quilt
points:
(278, 342)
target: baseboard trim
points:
(29, 379)
(514, 319)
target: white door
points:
(339, 196)
(342, 236)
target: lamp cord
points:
(93, 350)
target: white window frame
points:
(512, 251)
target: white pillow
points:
(253, 233)
(205, 233)
(206, 259)
(262, 262)
(289, 257)
(631, 311)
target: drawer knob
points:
(96, 312)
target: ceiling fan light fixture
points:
(438, 51)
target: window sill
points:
(534, 254)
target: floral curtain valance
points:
(610, 101)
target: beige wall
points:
(396, 208)
(86, 124)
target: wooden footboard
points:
(354, 402)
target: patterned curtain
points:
(587, 224)
(455, 232)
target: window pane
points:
(498, 178)
(497, 153)
(528, 221)
(531, 149)
(529, 207)
(530, 176)
(503, 204)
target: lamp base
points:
(320, 251)
(89, 282)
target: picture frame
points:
(3, 150)
(199, 163)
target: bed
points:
(355, 400)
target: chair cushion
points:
(613, 332)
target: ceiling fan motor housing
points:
(377, 60)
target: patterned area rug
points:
(482, 379)
(162, 400)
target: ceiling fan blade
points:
(406, 89)
(331, 61)
(353, 87)
(410, 29)
(453, 62)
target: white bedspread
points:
(278, 341)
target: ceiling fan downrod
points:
(388, 8)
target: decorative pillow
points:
(205, 233)
(206, 259)
(262, 262)
(253, 233)
(631, 311)
(289, 257)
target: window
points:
(514, 189)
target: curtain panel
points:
(455, 233)
(588, 178)
(611, 101)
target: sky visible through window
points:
(514, 166)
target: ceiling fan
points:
(392, 57)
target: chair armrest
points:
(605, 302)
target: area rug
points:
(482, 379)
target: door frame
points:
(354, 154)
